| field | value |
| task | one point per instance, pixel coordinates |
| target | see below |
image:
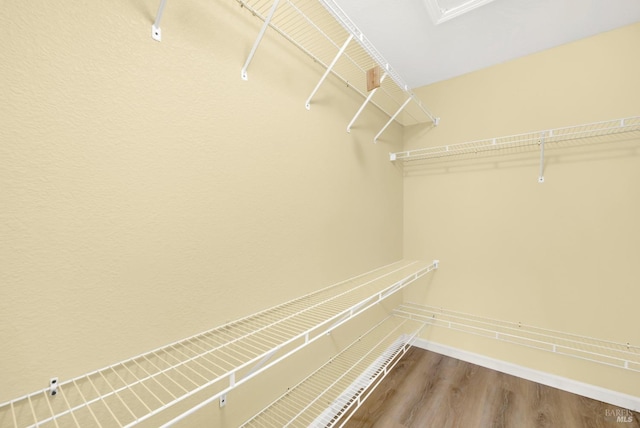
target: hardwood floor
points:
(426, 389)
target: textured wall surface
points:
(148, 193)
(562, 254)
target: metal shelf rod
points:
(384, 128)
(541, 176)
(254, 48)
(328, 70)
(364, 104)
(156, 32)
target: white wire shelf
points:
(319, 28)
(621, 355)
(212, 363)
(586, 131)
(331, 394)
(322, 30)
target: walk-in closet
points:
(319, 213)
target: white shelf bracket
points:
(243, 72)
(263, 361)
(366, 101)
(541, 176)
(156, 32)
(375, 139)
(328, 70)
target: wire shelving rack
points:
(345, 381)
(535, 138)
(604, 131)
(209, 364)
(324, 32)
(621, 355)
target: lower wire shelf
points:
(600, 351)
(330, 395)
(209, 364)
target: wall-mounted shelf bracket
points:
(384, 128)
(266, 359)
(364, 104)
(266, 23)
(156, 32)
(541, 176)
(328, 70)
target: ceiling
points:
(422, 52)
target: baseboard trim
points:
(586, 390)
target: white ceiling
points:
(423, 53)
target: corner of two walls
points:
(561, 254)
(149, 193)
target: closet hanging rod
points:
(555, 135)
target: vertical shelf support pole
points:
(541, 176)
(435, 120)
(266, 23)
(365, 103)
(156, 32)
(328, 70)
(375, 139)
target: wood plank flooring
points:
(426, 389)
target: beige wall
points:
(562, 254)
(148, 193)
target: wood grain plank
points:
(426, 389)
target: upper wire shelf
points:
(557, 135)
(323, 31)
(205, 367)
(319, 28)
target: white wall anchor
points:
(53, 386)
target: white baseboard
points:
(586, 390)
